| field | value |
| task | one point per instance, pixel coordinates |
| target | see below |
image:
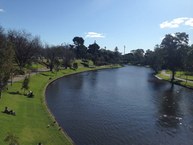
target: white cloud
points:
(175, 23)
(94, 35)
(1, 10)
(189, 22)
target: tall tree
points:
(51, 56)
(94, 52)
(6, 60)
(171, 45)
(67, 55)
(189, 60)
(78, 41)
(138, 56)
(25, 46)
(25, 84)
(156, 59)
(117, 56)
(81, 49)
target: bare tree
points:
(25, 46)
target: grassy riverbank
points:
(32, 118)
(184, 83)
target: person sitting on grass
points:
(9, 112)
(6, 110)
(12, 112)
(30, 94)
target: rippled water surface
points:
(125, 106)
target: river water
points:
(125, 106)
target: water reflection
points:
(169, 112)
(120, 107)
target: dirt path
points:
(21, 77)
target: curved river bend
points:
(125, 106)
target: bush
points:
(75, 65)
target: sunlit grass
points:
(32, 117)
(179, 82)
(182, 75)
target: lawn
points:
(32, 118)
(182, 83)
(182, 74)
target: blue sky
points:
(133, 23)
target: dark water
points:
(125, 106)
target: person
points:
(6, 110)
(30, 94)
(39, 143)
(9, 112)
(12, 112)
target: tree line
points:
(19, 49)
(173, 53)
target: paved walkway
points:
(163, 72)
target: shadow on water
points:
(169, 111)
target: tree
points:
(81, 49)
(189, 60)
(94, 52)
(117, 56)
(138, 56)
(75, 65)
(148, 57)
(25, 47)
(67, 55)
(6, 60)
(52, 56)
(156, 59)
(25, 84)
(171, 45)
(78, 41)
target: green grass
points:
(35, 66)
(182, 75)
(178, 82)
(32, 115)
(167, 78)
(81, 62)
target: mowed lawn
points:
(32, 118)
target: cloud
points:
(189, 22)
(175, 23)
(1, 10)
(94, 35)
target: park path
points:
(163, 72)
(21, 77)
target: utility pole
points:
(124, 49)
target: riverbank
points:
(178, 81)
(33, 123)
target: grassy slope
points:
(32, 117)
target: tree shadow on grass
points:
(45, 74)
(15, 93)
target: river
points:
(125, 106)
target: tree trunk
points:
(173, 74)
(51, 67)
(186, 79)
